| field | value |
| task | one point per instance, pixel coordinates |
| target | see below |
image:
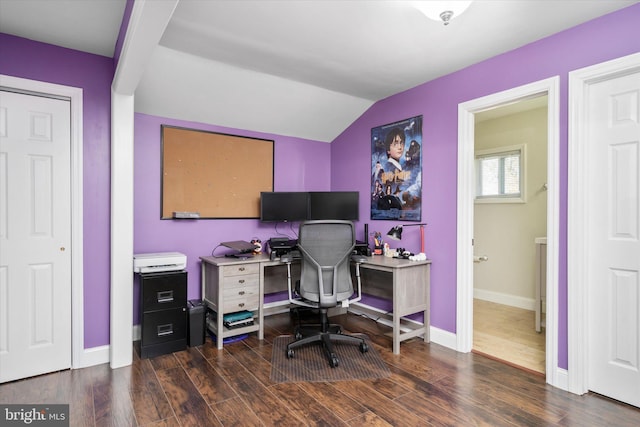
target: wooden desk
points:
(407, 283)
(232, 284)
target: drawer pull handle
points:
(165, 296)
(164, 330)
(241, 304)
(241, 293)
(241, 268)
(241, 281)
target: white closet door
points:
(35, 235)
(614, 238)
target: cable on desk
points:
(216, 256)
(291, 231)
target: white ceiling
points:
(300, 68)
(86, 25)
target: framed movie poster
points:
(396, 170)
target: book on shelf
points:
(238, 319)
(238, 324)
(238, 315)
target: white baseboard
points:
(561, 379)
(505, 299)
(136, 333)
(444, 338)
(99, 355)
(93, 356)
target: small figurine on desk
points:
(402, 253)
(258, 244)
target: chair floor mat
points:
(310, 363)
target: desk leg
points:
(427, 311)
(396, 333)
(261, 304)
(426, 327)
(219, 337)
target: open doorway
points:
(465, 213)
(510, 224)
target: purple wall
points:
(606, 38)
(299, 165)
(39, 61)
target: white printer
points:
(159, 262)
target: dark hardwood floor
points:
(429, 385)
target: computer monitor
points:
(283, 206)
(334, 205)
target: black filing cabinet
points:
(164, 313)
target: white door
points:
(35, 235)
(613, 139)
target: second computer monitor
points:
(334, 205)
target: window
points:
(500, 175)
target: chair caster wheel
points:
(290, 353)
(334, 361)
(364, 347)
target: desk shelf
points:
(212, 324)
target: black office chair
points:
(326, 249)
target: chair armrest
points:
(358, 258)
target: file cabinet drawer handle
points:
(241, 281)
(241, 304)
(165, 330)
(165, 296)
(241, 293)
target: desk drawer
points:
(245, 302)
(164, 326)
(241, 269)
(240, 291)
(247, 280)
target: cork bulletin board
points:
(216, 175)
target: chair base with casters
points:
(325, 335)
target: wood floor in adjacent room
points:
(429, 385)
(508, 333)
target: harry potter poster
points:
(396, 170)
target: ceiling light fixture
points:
(443, 11)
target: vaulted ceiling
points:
(299, 68)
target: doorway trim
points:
(465, 212)
(577, 221)
(74, 94)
